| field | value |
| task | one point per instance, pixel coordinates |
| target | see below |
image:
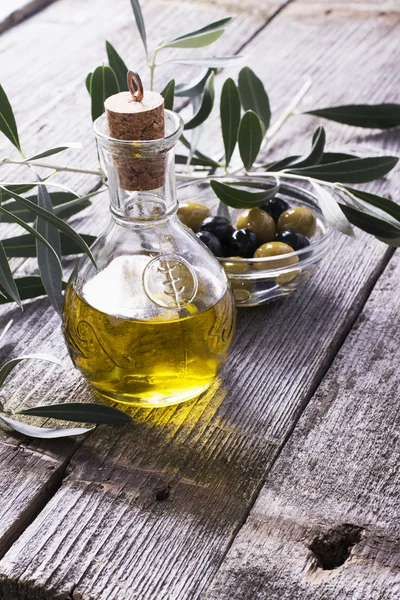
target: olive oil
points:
(165, 358)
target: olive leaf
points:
(212, 62)
(253, 95)
(195, 134)
(6, 279)
(384, 204)
(81, 412)
(205, 105)
(332, 157)
(49, 266)
(239, 198)
(356, 170)
(28, 228)
(190, 90)
(7, 367)
(30, 286)
(327, 157)
(200, 37)
(368, 208)
(50, 218)
(137, 12)
(102, 85)
(182, 159)
(206, 160)
(25, 246)
(18, 188)
(372, 116)
(373, 225)
(42, 432)
(168, 94)
(279, 165)
(11, 187)
(6, 329)
(317, 151)
(55, 150)
(331, 210)
(230, 117)
(118, 66)
(65, 205)
(88, 81)
(223, 211)
(250, 137)
(8, 125)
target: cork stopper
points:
(137, 115)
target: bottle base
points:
(153, 400)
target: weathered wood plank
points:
(36, 468)
(30, 474)
(31, 470)
(105, 534)
(336, 481)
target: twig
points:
(48, 166)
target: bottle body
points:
(126, 333)
(151, 324)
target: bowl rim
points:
(295, 191)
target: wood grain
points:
(30, 474)
(149, 511)
(339, 467)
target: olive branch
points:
(41, 206)
(80, 412)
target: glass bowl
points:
(255, 281)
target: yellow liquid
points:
(152, 362)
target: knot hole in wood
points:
(332, 548)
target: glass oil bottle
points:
(152, 324)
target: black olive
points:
(296, 240)
(211, 241)
(241, 243)
(275, 207)
(218, 226)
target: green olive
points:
(241, 288)
(192, 214)
(241, 291)
(272, 249)
(300, 219)
(236, 267)
(277, 249)
(259, 222)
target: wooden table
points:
(288, 467)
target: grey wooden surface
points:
(337, 476)
(80, 518)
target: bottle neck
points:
(140, 173)
(143, 204)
